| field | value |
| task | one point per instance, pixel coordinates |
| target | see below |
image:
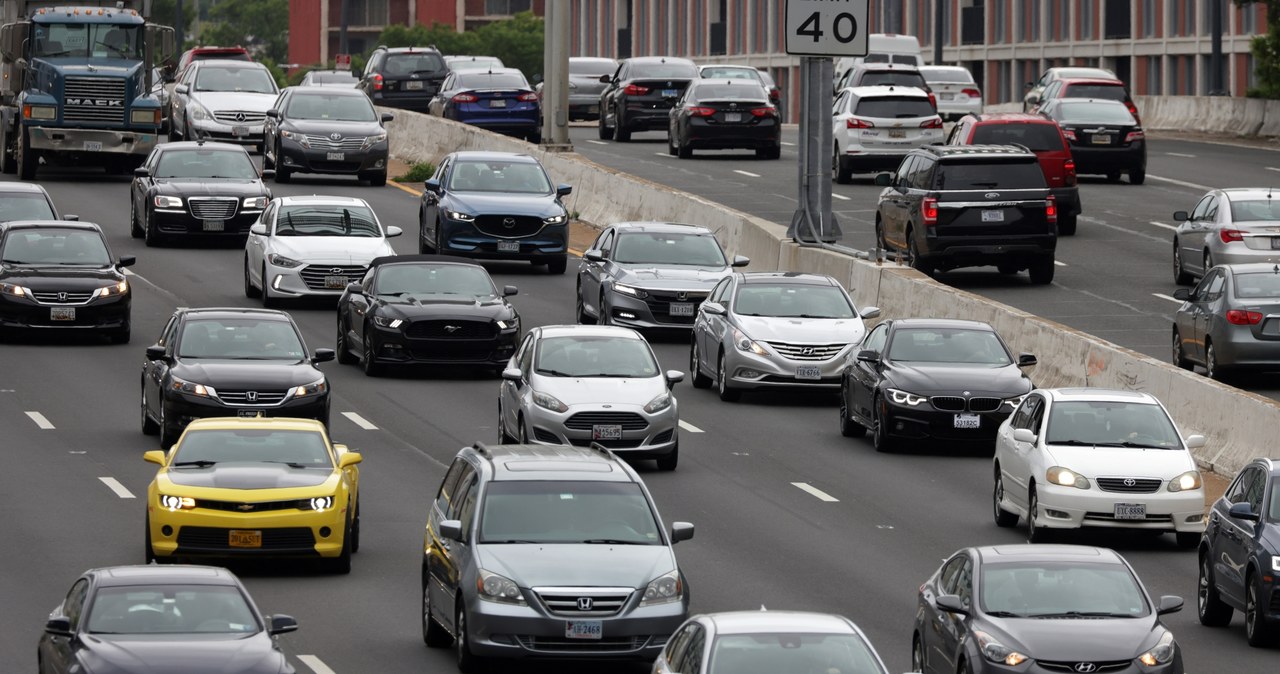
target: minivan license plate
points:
(967, 421)
(1131, 511)
(583, 629)
(808, 372)
(993, 216)
(681, 309)
(606, 432)
(62, 314)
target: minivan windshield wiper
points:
(202, 463)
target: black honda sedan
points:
(326, 130)
(638, 96)
(1104, 136)
(426, 309)
(198, 190)
(722, 115)
(920, 379)
(62, 275)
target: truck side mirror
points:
(13, 36)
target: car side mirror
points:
(1026, 360)
(355, 288)
(1194, 441)
(392, 230)
(181, 89)
(258, 228)
(268, 173)
(741, 260)
(674, 377)
(59, 626)
(322, 356)
(564, 190)
(593, 255)
(387, 117)
(71, 218)
(273, 113)
(1169, 604)
(884, 179)
(155, 352)
(432, 185)
(451, 530)
(606, 78)
(951, 604)
(513, 374)
(1242, 511)
(537, 78)
(1024, 435)
(156, 456)
(127, 261)
(681, 531)
(869, 356)
(508, 291)
(1183, 294)
(281, 624)
(350, 459)
(715, 308)
(1180, 216)
(142, 172)
(870, 312)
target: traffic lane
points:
(1210, 164)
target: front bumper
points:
(657, 436)
(203, 532)
(301, 159)
(466, 240)
(183, 408)
(748, 370)
(923, 422)
(1109, 159)
(212, 129)
(98, 314)
(92, 141)
(1071, 508)
(180, 221)
(658, 309)
(532, 631)
(984, 666)
(397, 346)
(312, 280)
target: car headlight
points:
(1161, 653)
(321, 503)
(282, 261)
(997, 652)
(904, 398)
(509, 324)
(256, 202)
(14, 290)
(384, 322)
(492, 587)
(1015, 401)
(658, 404)
(554, 220)
(370, 141)
(192, 388)
(1275, 563)
(663, 590)
(630, 290)
(1065, 477)
(745, 343)
(113, 290)
(1186, 481)
(170, 502)
(315, 388)
(549, 402)
(198, 112)
(167, 202)
(460, 216)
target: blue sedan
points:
(499, 99)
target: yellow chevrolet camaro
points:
(254, 487)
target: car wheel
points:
(581, 308)
(602, 312)
(1113, 176)
(148, 552)
(251, 291)
(1212, 369)
(848, 427)
(839, 168)
(965, 667)
(917, 653)
(1258, 630)
(684, 151)
(371, 366)
(1003, 518)
(149, 426)
(523, 429)
(1180, 356)
(28, 159)
(342, 563)
(1035, 532)
(669, 461)
(468, 662)
(1186, 539)
(267, 300)
(378, 179)
(283, 175)
(697, 378)
(604, 132)
(727, 393)
(558, 265)
(340, 344)
(880, 240)
(1212, 611)
(135, 227)
(168, 432)
(917, 261)
(504, 437)
(1042, 271)
(8, 161)
(120, 335)
(1067, 225)
(1180, 276)
(433, 635)
(1137, 176)
(671, 144)
(150, 233)
(620, 131)
(880, 437)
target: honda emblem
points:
(585, 603)
(682, 296)
(251, 396)
(62, 297)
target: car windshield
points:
(433, 279)
(673, 248)
(474, 63)
(332, 78)
(1060, 589)
(1110, 92)
(877, 78)
(205, 163)
(1036, 137)
(591, 67)
(1111, 424)
(946, 76)
(792, 652)
(21, 206)
(663, 70)
(1255, 210)
(296, 449)
(731, 73)
(55, 246)
(171, 609)
(791, 300)
(893, 107)
(1094, 113)
(410, 63)
(1258, 284)
(243, 80)
(982, 173)
(960, 346)
(499, 176)
(240, 338)
(614, 513)
(751, 91)
(482, 80)
(1273, 511)
(312, 220)
(335, 107)
(595, 356)
(85, 40)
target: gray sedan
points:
(1228, 226)
(774, 330)
(1232, 318)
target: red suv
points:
(203, 53)
(1042, 136)
(1114, 90)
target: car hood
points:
(210, 187)
(601, 390)
(670, 278)
(162, 655)
(1078, 639)
(247, 374)
(802, 330)
(1093, 462)
(541, 565)
(324, 127)
(248, 476)
(479, 203)
(234, 100)
(445, 306)
(946, 379)
(71, 279)
(347, 250)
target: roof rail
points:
(602, 450)
(482, 449)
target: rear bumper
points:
(1106, 159)
(1067, 200)
(967, 252)
(707, 136)
(640, 117)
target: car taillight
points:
(529, 97)
(764, 112)
(1069, 168)
(1050, 209)
(699, 111)
(1069, 134)
(1229, 235)
(775, 95)
(633, 90)
(971, 93)
(855, 123)
(933, 100)
(377, 82)
(935, 123)
(1132, 108)
(1241, 317)
(929, 211)
(465, 98)
(1134, 135)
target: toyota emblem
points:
(336, 270)
(335, 136)
(240, 117)
(992, 195)
(452, 328)
(1129, 482)
(1085, 667)
(251, 396)
(508, 222)
(62, 297)
(585, 604)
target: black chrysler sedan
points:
(230, 362)
(427, 309)
(639, 95)
(190, 619)
(61, 275)
(723, 115)
(197, 189)
(1105, 136)
(326, 130)
(922, 379)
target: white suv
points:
(875, 127)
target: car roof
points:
(469, 57)
(1065, 100)
(235, 312)
(493, 71)
(14, 186)
(733, 66)
(1040, 552)
(1272, 466)
(256, 423)
(423, 259)
(1011, 118)
(489, 155)
(942, 68)
(409, 50)
(194, 51)
(660, 59)
(887, 66)
(945, 151)
(602, 59)
(1058, 71)
(668, 227)
(45, 224)
(777, 277)
(554, 462)
(1090, 393)
(1232, 193)
(316, 91)
(774, 622)
(885, 90)
(954, 323)
(589, 331)
(198, 144)
(320, 200)
(228, 63)
(153, 574)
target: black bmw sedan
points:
(230, 362)
(326, 130)
(62, 275)
(924, 379)
(197, 190)
(426, 309)
(723, 115)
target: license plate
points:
(681, 309)
(244, 538)
(583, 629)
(1131, 511)
(808, 372)
(967, 421)
(606, 432)
(733, 116)
(497, 102)
(993, 216)
(670, 93)
(1101, 139)
(593, 109)
(93, 146)
(897, 133)
(336, 156)
(508, 246)
(249, 414)
(214, 225)
(239, 131)
(413, 85)
(335, 282)
(62, 313)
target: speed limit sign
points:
(827, 27)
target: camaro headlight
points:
(904, 398)
(1066, 477)
(549, 402)
(1161, 653)
(629, 290)
(658, 404)
(192, 388)
(509, 324)
(459, 215)
(167, 202)
(554, 220)
(745, 343)
(321, 503)
(177, 502)
(282, 261)
(112, 290)
(14, 290)
(384, 322)
(492, 587)
(370, 141)
(997, 652)
(256, 202)
(663, 590)
(1186, 481)
(315, 388)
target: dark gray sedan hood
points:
(181, 653)
(1078, 639)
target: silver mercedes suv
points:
(548, 551)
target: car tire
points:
(343, 349)
(848, 427)
(727, 392)
(8, 161)
(523, 430)
(668, 462)
(918, 262)
(1067, 225)
(1187, 540)
(371, 366)
(1137, 176)
(149, 426)
(150, 233)
(168, 432)
(251, 291)
(1212, 369)
(28, 159)
(148, 552)
(355, 528)
(1035, 533)
(581, 308)
(1042, 271)
(121, 335)
(1003, 518)
(840, 168)
(620, 131)
(696, 377)
(1180, 356)
(603, 131)
(283, 175)
(1210, 609)
(880, 240)
(917, 653)
(378, 179)
(341, 564)
(880, 438)
(671, 145)
(1180, 275)
(468, 662)
(433, 634)
(1259, 631)
(557, 265)
(504, 438)
(684, 151)
(602, 312)
(268, 302)
(135, 227)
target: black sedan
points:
(931, 379)
(189, 619)
(230, 362)
(27, 201)
(62, 275)
(1041, 608)
(495, 206)
(326, 130)
(639, 95)
(428, 309)
(196, 189)
(724, 114)
(1104, 137)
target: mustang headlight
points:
(745, 343)
(321, 503)
(256, 202)
(509, 324)
(554, 220)
(492, 587)
(315, 388)
(549, 402)
(282, 261)
(13, 290)
(167, 202)
(904, 398)
(1066, 477)
(658, 404)
(113, 290)
(1186, 481)
(997, 652)
(630, 290)
(460, 216)
(177, 502)
(370, 141)
(384, 322)
(1161, 653)
(663, 590)
(192, 388)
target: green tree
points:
(1266, 51)
(517, 41)
(261, 25)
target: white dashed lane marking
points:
(689, 427)
(747, 173)
(1272, 168)
(1161, 224)
(1182, 183)
(1179, 154)
(596, 142)
(821, 495)
(115, 486)
(788, 144)
(315, 664)
(841, 197)
(1060, 263)
(40, 420)
(360, 421)
(1166, 297)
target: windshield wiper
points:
(556, 373)
(1082, 614)
(202, 463)
(609, 374)
(1073, 443)
(1005, 614)
(612, 541)
(291, 464)
(512, 541)
(8, 261)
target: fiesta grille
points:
(62, 298)
(245, 117)
(264, 506)
(508, 226)
(813, 352)
(260, 398)
(217, 538)
(563, 645)
(212, 208)
(1099, 667)
(347, 143)
(94, 99)
(1129, 485)
(314, 275)
(460, 329)
(583, 421)
(569, 601)
(960, 404)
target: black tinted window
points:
(1107, 91)
(873, 79)
(660, 70)
(894, 107)
(986, 174)
(729, 92)
(1038, 137)
(409, 63)
(480, 80)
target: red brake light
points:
(1229, 235)
(971, 93)
(775, 94)
(933, 100)
(633, 90)
(699, 111)
(465, 98)
(1134, 135)
(1241, 317)
(935, 123)
(1050, 209)
(1132, 108)
(1069, 167)
(527, 97)
(929, 211)
(764, 112)
(855, 123)
(1070, 135)
(377, 82)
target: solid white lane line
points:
(596, 142)
(40, 420)
(1166, 297)
(360, 421)
(315, 664)
(822, 495)
(1161, 224)
(689, 427)
(1272, 168)
(841, 197)
(1180, 154)
(1060, 263)
(747, 173)
(115, 486)
(661, 154)
(1183, 183)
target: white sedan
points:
(1086, 457)
(312, 246)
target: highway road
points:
(72, 445)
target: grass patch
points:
(417, 173)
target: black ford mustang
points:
(196, 189)
(427, 309)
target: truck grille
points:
(349, 143)
(94, 99)
(246, 117)
(212, 208)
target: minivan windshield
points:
(605, 513)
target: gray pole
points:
(179, 38)
(342, 27)
(939, 35)
(813, 220)
(1215, 55)
(555, 85)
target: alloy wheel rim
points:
(998, 496)
(1177, 262)
(693, 359)
(1250, 608)
(461, 637)
(1211, 362)
(426, 607)
(721, 377)
(917, 656)
(1202, 593)
(1177, 348)
(1031, 515)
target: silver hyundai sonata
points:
(581, 384)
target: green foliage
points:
(417, 173)
(277, 72)
(517, 41)
(1266, 52)
(163, 12)
(261, 25)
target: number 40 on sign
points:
(826, 27)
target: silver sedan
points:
(774, 330)
(1230, 319)
(1227, 226)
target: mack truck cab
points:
(77, 84)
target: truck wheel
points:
(28, 159)
(8, 160)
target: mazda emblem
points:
(1129, 482)
(251, 396)
(992, 195)
(508, 222)
(335, 136)
(585, 604)
(336, 270)
(452, 328)
(240, 117)
(244, 507)
(1085, 667)
(62, 297)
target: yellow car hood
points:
(247, 476)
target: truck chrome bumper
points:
(91, 140)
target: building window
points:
(367, 12)
(1248, 20)
(1000, 25)
(1188, 17)
(1060, 17)
(1087, 20)
(1149, 18)
(1155, 76)
(506, 7)
(948, 23)
(1004, 74)
(1252, 80)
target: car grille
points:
(454, 350)
(583, 421)
(508, 226)
(659, 303)
(62, 298)
(807, 351)
(1110, 517)
(1129, 485)
(212, 208)
(314, 275)
(959, 404)
(259, 398)
(264, 506)
(1099, 667)
(461, 329)
(92, 93)
(217, 538)
(565, 601)
(562, 645)
(348, 143)
(608, 444)
(240, 117)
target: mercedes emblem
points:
(240, 117)
(1085, 667)
(585, 604)
(508, 222)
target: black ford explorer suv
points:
(969, 206)
(403, 77)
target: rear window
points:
(893, 107)
(495, 81)
(949, 76)
(1255, 210)
(577, 67)
(1108, 91)
(410, 63)
(1036, 137)
(221, 55)
(730, 92)
(983, 174)
(1095, 113)
(660, 70)
(1257, 285)
(873, 79)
